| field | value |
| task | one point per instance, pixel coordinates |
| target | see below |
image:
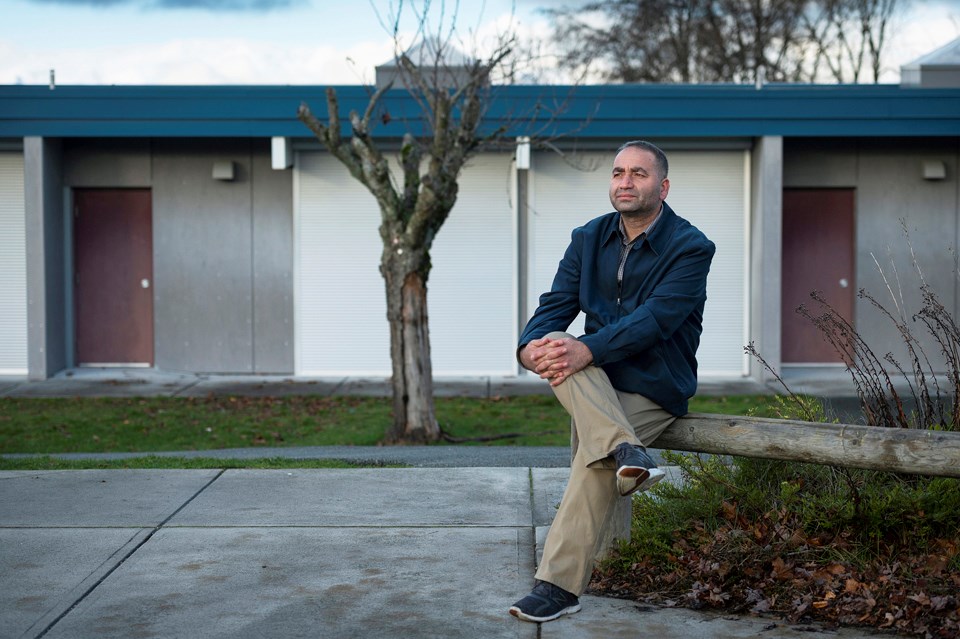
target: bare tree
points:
(750, 40)
(725, 40)
(414, 206)
(633, 41)
(848, 37)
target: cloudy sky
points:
(283, 41)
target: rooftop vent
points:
(939, 69)
(440, 64)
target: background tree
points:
(849, 37)
(414, 204)
(725, 40)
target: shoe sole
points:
(519, 614)
(631, 479)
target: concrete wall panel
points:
(107, 163)
(223, 257)
(203, 256)
(820, 163)
(891, 190)
(766, 226)
(273, 344)
(46, 286)
(54, 242)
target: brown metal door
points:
(818, 254)
(113, 269)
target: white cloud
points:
(196, 61)
(241, 60)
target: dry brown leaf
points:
(729, 510)
(920, 598)
(780, 569)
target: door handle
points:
(144, 283)
(844, 283)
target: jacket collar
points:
(657, 238)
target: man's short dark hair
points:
(659, 156)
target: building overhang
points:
(572, 112)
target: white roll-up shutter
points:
(13, 267)
(341, 326)
(341, 308)
(708, 188)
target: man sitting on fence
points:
(639, 274)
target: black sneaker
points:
(545, 603)
(635, 469)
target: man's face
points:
(636, 188)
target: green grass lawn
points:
(94, 425)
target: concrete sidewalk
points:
(438, 550)
(152, 382)
(419, 552)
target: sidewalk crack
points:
(123, 559)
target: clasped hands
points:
(555, 359)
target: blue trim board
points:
(594, 111)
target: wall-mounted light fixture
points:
(523, 152)
(224, 171)
(934, 170)
(281, 153)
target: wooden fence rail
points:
(914, 451)
(903, 450)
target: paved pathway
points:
(414, 552)
(438, 550)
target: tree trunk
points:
(414, 419)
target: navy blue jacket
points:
(646, 335)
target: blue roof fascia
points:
(595, 111)
(617, 111)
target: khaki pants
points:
(602, 418)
